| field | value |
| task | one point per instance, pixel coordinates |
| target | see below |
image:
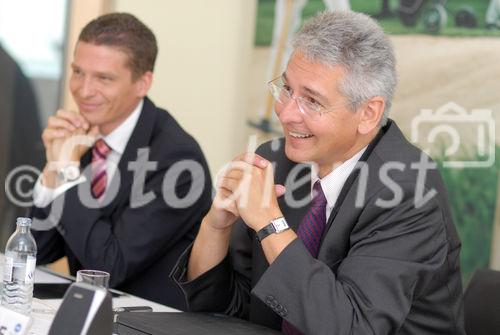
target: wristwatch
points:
(276, 226)
(68, 173)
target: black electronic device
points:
(165, 323)
(85, 310)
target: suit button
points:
(280, 310)
(271, 301)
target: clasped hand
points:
(67, 137)
(246, 189)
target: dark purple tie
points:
(310, 231)
(313, 224)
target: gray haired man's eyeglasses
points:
(307, 106)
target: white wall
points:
(81, 12)
(201, 71)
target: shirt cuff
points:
(43, 196)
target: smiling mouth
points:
(87, 106)
(299, 135)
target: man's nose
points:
(87, 88)
(289, 112)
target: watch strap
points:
(265, 232)
(276, 225)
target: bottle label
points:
(8, 269)
(30, 270)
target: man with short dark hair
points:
(132, 203)
(343, 226)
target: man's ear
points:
(143, 83)
(371, 114)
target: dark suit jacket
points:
(137, 245)
(392, 270)
(20, 134)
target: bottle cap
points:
(23, 221)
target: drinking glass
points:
(93, 277)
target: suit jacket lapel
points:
(296, 203)
(334, 228)
(140, 138)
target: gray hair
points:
(355, 42)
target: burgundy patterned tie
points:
(310, 232)
(99, 176)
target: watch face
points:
(71, 172)
(280, 224)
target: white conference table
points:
(44, 310)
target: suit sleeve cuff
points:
(277, 286)
(206, 292)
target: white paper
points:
(12, 322)
(44, 277)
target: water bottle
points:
(19, 268)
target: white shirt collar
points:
(333, 182)
(117, 140)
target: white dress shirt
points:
(117, 140)
(333, 182)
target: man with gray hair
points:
(375, 250)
